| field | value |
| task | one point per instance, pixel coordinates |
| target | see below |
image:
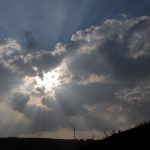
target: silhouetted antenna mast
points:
(93, 136)
(74, 133)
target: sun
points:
(52, 80)
(49, 83)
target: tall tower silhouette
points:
(74, 133)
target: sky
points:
(68, 64)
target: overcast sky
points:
(73, 63)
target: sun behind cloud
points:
(52, 80)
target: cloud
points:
(19, 101)
(18, 69)
(11, 45)
(135, 95)
(12, 122)
(42, 118)
(40, 61)
(33, 63)
(30, 44)
(106, 59)
(102, 75)
(117, 47)
(39, 25)
(137, 98)
(8, 81)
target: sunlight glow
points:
(52, 80)
(45, 86)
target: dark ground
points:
(138, 137)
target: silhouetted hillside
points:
(137, 137)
